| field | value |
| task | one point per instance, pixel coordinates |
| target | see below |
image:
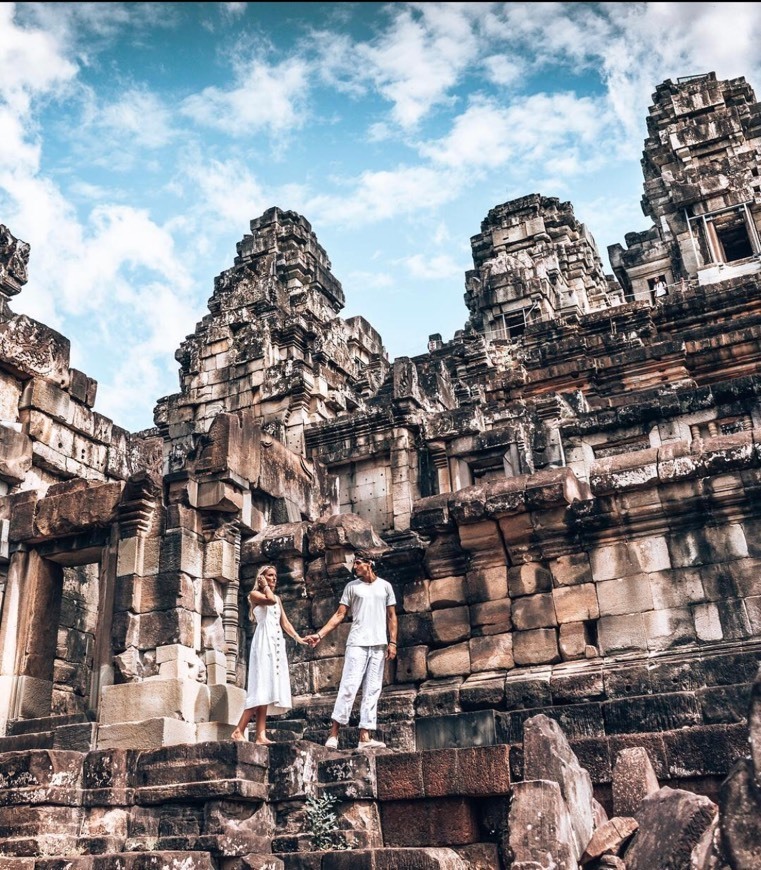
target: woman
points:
(269, 683)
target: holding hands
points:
(312, 640)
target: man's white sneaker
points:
(332, 743)
(371, 744)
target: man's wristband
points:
(392, 643)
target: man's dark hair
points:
(361, 556)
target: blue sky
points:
(137, 141)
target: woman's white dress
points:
(268, 679)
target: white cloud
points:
(212, 184)
(139, 115)
(31, 62)
(435, 267)
(233, 10)
(536, 128)
(502, 70)
(421, 56)
(386, 194)
(271, 98)
(361, 280)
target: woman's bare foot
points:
(238, 735)
(263, 740)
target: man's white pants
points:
(363, 666)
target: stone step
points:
(126, 861)
(460, 730)
(45, 723)
(295, 726)
(434, 858)
(21, 742)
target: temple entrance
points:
(57, 641)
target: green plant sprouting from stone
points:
(322, 823)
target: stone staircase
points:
(469, 800)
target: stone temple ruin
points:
(566, 497)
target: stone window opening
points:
(509, 325)
(727, 235)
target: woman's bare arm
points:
(288, 628)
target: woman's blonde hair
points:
(255, 588)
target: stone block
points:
(148, 734)
(570, 570)
(446, 592)
(548, 756)
(739, 804)
(400, 777)
(449, 662)
(490, 617)
(633, 780)
(438, 696)
(293, 769)
(416, 596)
(349, 778)
(669, 628)
(624, 559)
(231, 770)
(539, 831)
(220, 561)
(524, 691)
(412, 664)
(451, 624)
(534, 611)
(610, 838)
(676, 588)
(326, 673)
(226, 703)
(491, 653)
(671, 822)
(483, 690)
(656, 713)
(456, 730)
(631, 594)
(705, 750)
(482, 771)
(415, 629)
(536, 647)
(618, 634)
(214, 731)
(576, 683)
(181, 551)
(574, 641)
(484, 543)
(576, 603)
(435, 822)
(707, 622)
(486, 583)
(185, 700)
(67, 511)
(528, 579)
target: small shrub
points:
(323, 824)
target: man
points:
(372, 640)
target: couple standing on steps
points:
(370, 601)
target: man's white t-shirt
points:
(367, 603)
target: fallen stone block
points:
(609, 839)
(539, 829)
(739, 815)
(671, 822)
(633, 780)
(548, 756)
